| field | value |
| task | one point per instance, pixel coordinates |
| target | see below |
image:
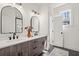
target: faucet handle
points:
(17, 37)
(14, 33)
(9, 38)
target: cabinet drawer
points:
(33, 42)
(34, 51)
(31, 50)
(38, 42)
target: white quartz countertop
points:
(6, 43)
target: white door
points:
(57, 31)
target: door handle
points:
(61, 32)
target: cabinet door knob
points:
(61, 32)
(34, 47)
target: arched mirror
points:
(35, 25)
(11, 20)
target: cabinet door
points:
(24, 49)
(13, 51)
(18, 49)
(41, 44)
(1, 52)
(5, 51)
(30, 48)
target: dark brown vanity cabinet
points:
(29, 48)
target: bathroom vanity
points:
(23, 47)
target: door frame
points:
(50, 29)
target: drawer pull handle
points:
(34, 47)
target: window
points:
(66, 17)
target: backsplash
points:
(4, 36)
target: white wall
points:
(72, 34)
(44, 21)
